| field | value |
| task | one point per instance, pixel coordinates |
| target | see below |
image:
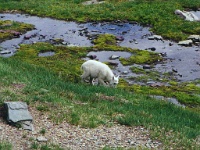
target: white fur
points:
(95, 69)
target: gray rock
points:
(168, 99)
(5, 52)
(186, 15)
(64, 43)
(146, 67)
(27, 125)
(16, 34)
(72, 45)
(175, 102)
(119, 38)
(125, 72)
(17, 111)
(18, 114)
(151, 82)
(41, 139)
(27, 37)
(194, 38)
(151, 48)
(155, 37)
(114, 57)
(92, 56)
(93, 2)
(113, 63)
(185, 43)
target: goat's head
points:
(114, 81)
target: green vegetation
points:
(183, 92)
(108, 42)
(45, 147)
(90, 106)
(5, 146)
(66, 62)
(157, 13)
(48, 83)
(141, 57)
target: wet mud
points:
(184, 61)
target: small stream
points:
(184, 60)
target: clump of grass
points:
(105, 40)
(43, 131)
(5, 146)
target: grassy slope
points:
(80, 105)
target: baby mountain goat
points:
(95, 69)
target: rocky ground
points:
(74, 137)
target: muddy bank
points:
(184, 61)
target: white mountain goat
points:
(94, 69)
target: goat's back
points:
(96, 68)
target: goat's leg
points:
(101, 81)
(91, 80)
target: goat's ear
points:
(117, 76)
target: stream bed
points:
(185, 61)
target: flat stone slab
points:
(155, 37)
(185, 43)
(17, 111)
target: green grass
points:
(91, 106)
(5, 146)
(157, 13)
(38, 146)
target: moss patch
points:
(66, 62)
(185, 93)
(10, 29)
(109, 42)
(141, 57)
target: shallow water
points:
(46, 54)
(185, 60)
